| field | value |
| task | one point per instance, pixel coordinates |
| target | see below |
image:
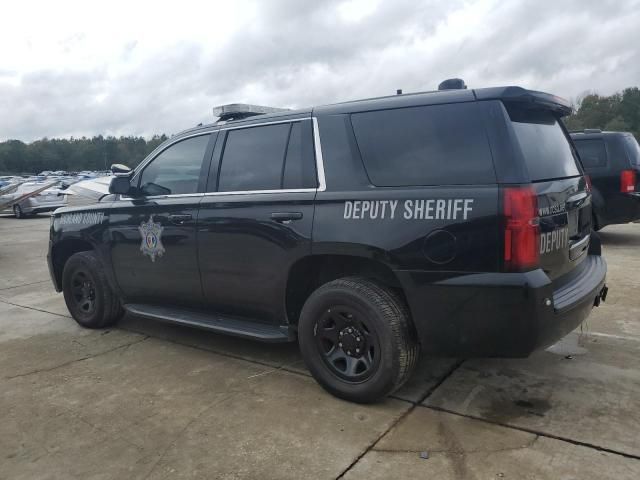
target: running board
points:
(213, 322)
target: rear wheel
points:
(17, 211)
(89, 298)
(356, 339)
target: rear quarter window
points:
(544, 144)
(430, 145)
(593, 153)
(633, 149)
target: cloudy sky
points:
(133, 67)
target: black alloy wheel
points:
(348, 343)
(87, 292)
(83, 291)
(356, 339)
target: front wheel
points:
(357, 340)
(87, 293)
(17, 211)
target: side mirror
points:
(118, 169)
(120, 185)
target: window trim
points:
(320, 175)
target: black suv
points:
(457, 222)
(612, 161)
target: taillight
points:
(587, 179)
(522, 230)
(628, 181)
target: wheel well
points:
(62, 251)
(311, 272)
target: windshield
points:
(544, 144)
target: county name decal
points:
(432, 209)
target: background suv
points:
(612, 161)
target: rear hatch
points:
(562, 194)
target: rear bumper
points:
(621, 208)
(500, 314)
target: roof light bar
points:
(237, 111)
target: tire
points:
(381, 328)
(87, 293)
(17, 211)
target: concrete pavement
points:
(147, 400)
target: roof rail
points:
(238, 111)
(587, 130)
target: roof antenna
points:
(399, 91)
(452, 84)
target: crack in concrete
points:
(529, 444)
(106, 433)
(23, 285)
(536, 432)
(282, 367)
(34, 308)
(183, 430)
(404, 415)
(86, 357)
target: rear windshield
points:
(430, 145)
(633, 149)
(593, 153)
(544, 144)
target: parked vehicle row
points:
(48, 191)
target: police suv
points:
(455, 222)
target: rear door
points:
(255, 219)
(564, 202)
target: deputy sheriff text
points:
(431, 209)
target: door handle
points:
(286, 217)
(180, 219)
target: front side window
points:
(176, 170)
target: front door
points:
(153, 234)
(256, 222)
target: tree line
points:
(74, 154)
(618, 112)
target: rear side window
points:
(593, 153)
(253, 158)
(633, 149)
(299, 165)
(544, 144)
(270, 157)
(431, 145)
